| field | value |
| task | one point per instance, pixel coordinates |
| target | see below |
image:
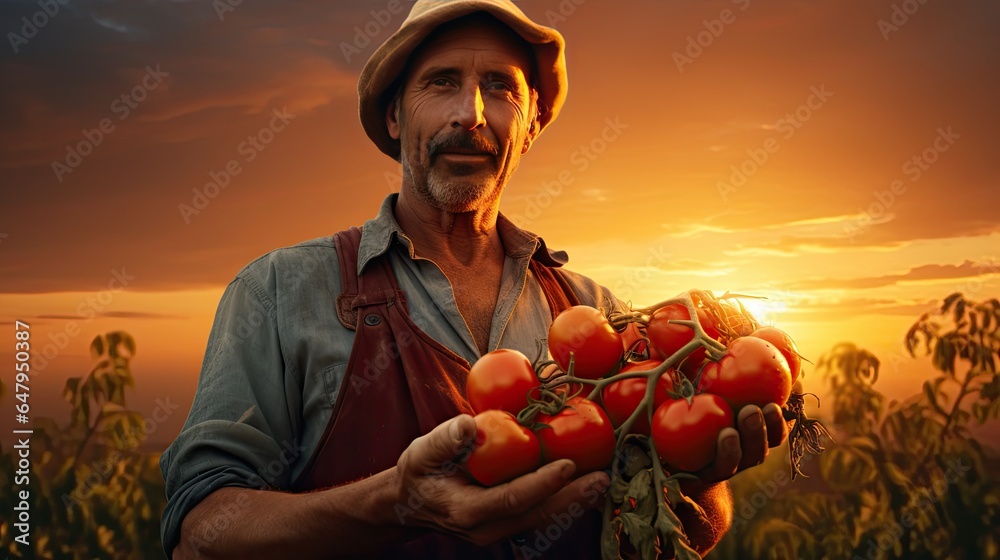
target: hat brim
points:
(388, 62)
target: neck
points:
(450, 238)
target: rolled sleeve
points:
(239, 430)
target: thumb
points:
(446, 442)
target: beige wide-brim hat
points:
(388, 62)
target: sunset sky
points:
(804, 151)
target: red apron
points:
(399, 384)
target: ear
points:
(534, 127)
(392, 118)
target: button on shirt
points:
(277, 354)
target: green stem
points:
(962, 393)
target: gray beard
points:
(453, 194)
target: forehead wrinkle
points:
(484, 35)
(483, 60)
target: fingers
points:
(587, 492)
(527, 491)
(548, 371)
(727, 457)
(444, 443)
(753, 436)
(774, 422)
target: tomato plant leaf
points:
(610, 540)
(97, 347)
(641, 534)
(641, 490)
(618, 489)
(639, 486)
(670, 529)
(636, 460)
(946, 305)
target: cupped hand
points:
(434, 492)
(757, 430)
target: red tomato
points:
(581, 432)
(585, 332)
(752, 371)
(500, 380)
(504, 449)
(785, 345)
(666, 338)
(622, 397)
(685, 435)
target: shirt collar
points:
(379, 232)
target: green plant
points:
(906, 478)
(94, 493)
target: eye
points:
(500, 85)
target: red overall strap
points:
(347, 244)
(399, 384)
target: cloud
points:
(829, 309)
(255, 64)
(694, 267)
(111, 315)
(928, 272)
(138, 315)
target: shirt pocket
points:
(333, 378)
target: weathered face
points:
(463, 115)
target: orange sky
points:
(646, 148)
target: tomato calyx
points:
(684, 388)
(549, 401)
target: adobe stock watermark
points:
(122, 106)
(580, 159)
(988, 265)
(546, 537)
(635, 278)
(3, 236)
(787, 126)
(224, 7)
(87, 311)
(376, 366)
(228, 516)
(249, 148)
(543, 537)
(31, 25)
(563, 11)
(713, 29)
(102, 470)
(913, 169)
(899, 17)
(371, 29)
(749, 506)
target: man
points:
(337, 366)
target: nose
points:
(467, 112)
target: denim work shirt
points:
(277, 353)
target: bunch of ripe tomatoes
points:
(642, 392)
(701, 374)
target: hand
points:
(759, 429)
(433, 492)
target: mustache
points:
(465, 140)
